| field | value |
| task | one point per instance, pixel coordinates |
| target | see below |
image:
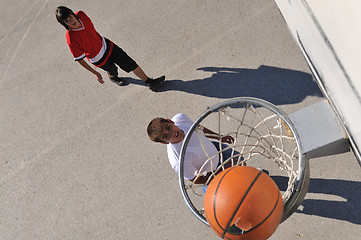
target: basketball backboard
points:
(328, 33)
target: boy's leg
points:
(152, 83)
(140, 74)
(127, 64)
(112, 72)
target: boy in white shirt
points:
(172, 132)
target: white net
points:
(249, 134)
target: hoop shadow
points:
(347, 194)
(276, 85)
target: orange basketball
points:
(243, 203)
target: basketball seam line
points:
(266, 217)
(214, 199)
(239, 205)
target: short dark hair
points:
(155, 128)
(62, 13)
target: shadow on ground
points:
(276, 85)
(346, 197)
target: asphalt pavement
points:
(76, 162)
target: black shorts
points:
(120, 58)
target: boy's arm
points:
(201, 179)
(210, 134)
(97, 75)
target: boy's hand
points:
(99, 77)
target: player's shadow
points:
(276, 85)
(330, 198)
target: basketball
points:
(243, 203)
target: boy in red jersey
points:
(85, 41)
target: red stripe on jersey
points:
(104, 60)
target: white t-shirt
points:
(195, 155)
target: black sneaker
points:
(119, 81)
(154, 84)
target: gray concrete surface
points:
(76, 162)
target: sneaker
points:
(154, 84)
(119, 81)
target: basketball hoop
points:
(263, 137)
